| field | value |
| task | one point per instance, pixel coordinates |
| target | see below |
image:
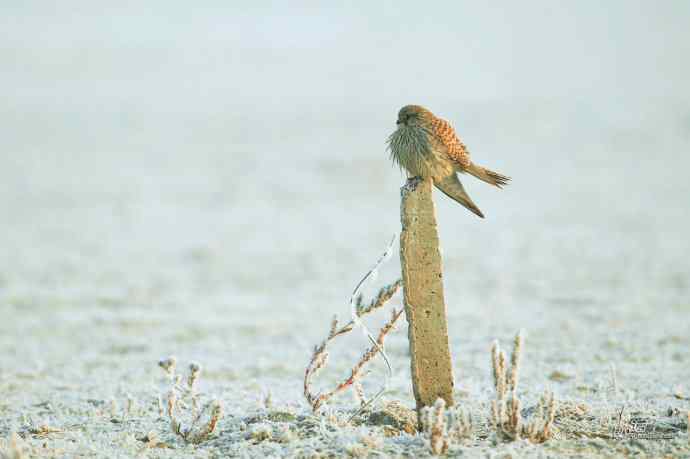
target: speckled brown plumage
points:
(428, 147)
(455, 149)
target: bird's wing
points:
(455, 149)
(452, 187)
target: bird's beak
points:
(398, 122)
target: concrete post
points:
(425, 308)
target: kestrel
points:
(427, 146)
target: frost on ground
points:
(94, 291)
(110, 263)
(211, 181)
(141, 426)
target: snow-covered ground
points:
(211, 184)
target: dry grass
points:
(506, 415)
(443, 426)
(319, 357)
(434, 426)
(187, 420)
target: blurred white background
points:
(221, 168)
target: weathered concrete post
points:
(425, 308)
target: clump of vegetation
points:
(319, 358)
(506, 415)
(188, 419)
(442, 426)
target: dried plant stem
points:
(194, 372)
(442, 425)
(359, 393)
(197, 431)
(506, 416)
(203, 422)
(356, 313)
(320, 357)
(385, 294)
(438, 438)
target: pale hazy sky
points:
(81, 62)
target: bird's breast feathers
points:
(420, 151)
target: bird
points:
(428, 147)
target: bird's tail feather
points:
(488, 176)
(452, 187)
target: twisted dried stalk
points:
(319, 357)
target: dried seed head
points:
(495, 349)
(515, 360)
(500, 371)
(334, 327)
(168, 365)
(216, 413)
(194, 372)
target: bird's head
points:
(412, 115)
